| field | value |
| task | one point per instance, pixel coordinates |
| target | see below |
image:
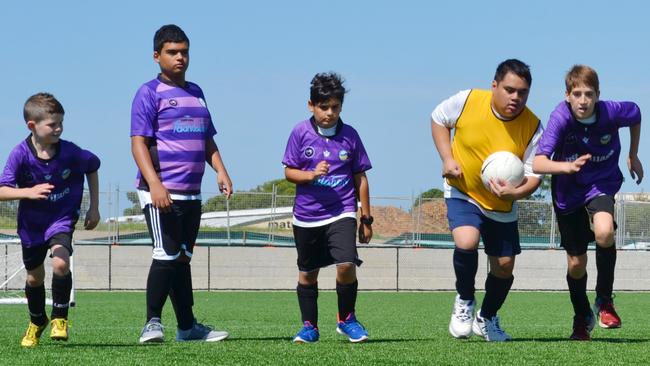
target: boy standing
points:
(171, 139)
(327, 161)
(485, 122)
(46, 174)
(582, 140)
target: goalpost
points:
(13, 275)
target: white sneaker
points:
(489, 329)
(460, 325)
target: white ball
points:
(502, 165)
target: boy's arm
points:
(160, 197)
(543, 165)
(213, 157)
(442, 139)
(363, 193)
(633, 163)
(92, 216)
(298, 176)
(37, 192)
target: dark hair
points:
(325, 86)
(169, 33)
(41, 106)
(514, 66)
(581, 74)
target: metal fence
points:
(263, 219)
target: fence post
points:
(228, 221)
(552, 237)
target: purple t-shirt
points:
(39, 220)
(178, 122)
(334, 193)
(565, 139)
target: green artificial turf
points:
(405, 328)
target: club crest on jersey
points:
(605, 139)
(326, 153)
(173, 102)
(48, 176)
(309, 151)
(585, 140)
(202, 102)
(65, 174)
(343, 155)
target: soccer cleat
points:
(606, 314)
(33, 334)
(200, 332)
(59, 329)
(152, 332)
(582, 327)
(308, 334)
(460, 325)
(489, 329)
(351, 328)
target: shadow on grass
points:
(600, 340)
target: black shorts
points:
(174, 231)
(321, 246)
(575, 227)
(35, 256)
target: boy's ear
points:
(494, 84)
(156, 56)
(31, 125)
(310, 105)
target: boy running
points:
(580, 147)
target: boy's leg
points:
(33, 259)
(61, 248)
(497, 285)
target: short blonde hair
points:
(579, 75)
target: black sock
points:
(61, 287)
(36, 304)
(465, 266)
(347, 298)
(308, 302)
(578, 293)
(158, 286)
(181, 295)
(605, 264)
(496, 291)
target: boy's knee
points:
(577, 265)
(60, 267)
(604, 238)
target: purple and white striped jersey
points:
(178, 122)
(565, 139)
(332, 194)
(39, 220)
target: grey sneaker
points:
(152, 332)
(200, 332)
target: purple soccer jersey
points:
(178, 122)
(334, 193)
(39, 220)
(565, 139)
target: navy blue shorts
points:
(500, 239)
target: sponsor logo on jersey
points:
(605, 139)
(65, 174)
(570, 139)
(343, 155)
(332, 181)
(57, 196)
(188, 125)
(309, 151)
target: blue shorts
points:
(500, 239)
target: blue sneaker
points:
(352, 329)
(308, 334)
(200, 332)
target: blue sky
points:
(254, 61)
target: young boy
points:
(326, 160)
(46, 174)
(582, 140)
(171, 139)
(485, 121)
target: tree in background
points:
(135, 208)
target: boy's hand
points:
(365, 233)
(160, 197)
(92, 218)
(503, 189)
(635, 167)
(321, 169)
(576, 165)
(225, 184)
(451, 169)
(39, 191)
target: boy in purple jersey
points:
(580, 147)
(171, 139)
(326, 160)
(46, 174)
